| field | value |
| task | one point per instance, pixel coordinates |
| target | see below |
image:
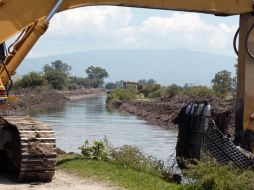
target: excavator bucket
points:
(199, 135)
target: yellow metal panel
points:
(15, 15)
(245, 90)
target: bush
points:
(132, 157)
(97, 151)
(127, 157)
(213, 176)
(157, 93)
(150, 89)
(110, 85)
(31, 80)
(57, 80)
(173, 90)
(198, 90)
(73, 86)
(122, 94)
(223, 83)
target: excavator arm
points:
(16, 15)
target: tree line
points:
(57, 76)
(223, 84)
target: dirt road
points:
(61, 181)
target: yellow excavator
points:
(27, 147)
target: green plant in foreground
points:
(213, 176)
(132, 157)
(97, 151)
(129, 157)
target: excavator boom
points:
(14, 19)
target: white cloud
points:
(112, 28)
(186, 30)
(95, 19)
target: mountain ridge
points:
(166, 66)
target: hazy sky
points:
(129, 28)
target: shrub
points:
(157, 93)
(173, 90)
(149, 89)
(129, 157)
(223, 83)
(122, 94)
(110, 85)
(56, 79)
(132, 157)
(31, 80)
(213, 176)
(198, 90)
(97, 151)
(73, 86)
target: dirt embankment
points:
(31, 99)
(161, 111)
(81, 94)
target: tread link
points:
(29, 147)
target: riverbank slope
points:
(162, 111)
(31, 99)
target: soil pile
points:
(161, 111)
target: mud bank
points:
(81, 94)
(161, 111)
(32, 99)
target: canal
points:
(89, 119)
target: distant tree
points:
(142, 81)
(151, 81)
(96, 73)
(222, 83)
(96, 83)
(198, 90)
(81, 82)
(120, 84)
(58, 66)
(56, 74)
(150, 89)
(110, 85)
(56, 79)
(173, 89)
(31, 80)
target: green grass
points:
(112, 174)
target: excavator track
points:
(27, 148)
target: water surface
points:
(89, 119)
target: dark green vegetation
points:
(128, 167)
(213, 176)
(222, 85)
(129, 93)
(57, 76)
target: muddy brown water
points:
(89, 119)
